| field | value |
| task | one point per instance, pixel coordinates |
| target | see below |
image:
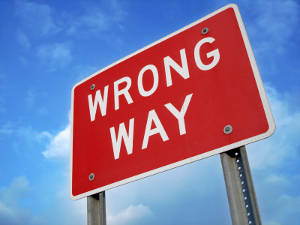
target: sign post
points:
(96, 209)
(240, 189)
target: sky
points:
(46, 47)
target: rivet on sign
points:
(236, 153)
(205, 30)
(92, 86)
(228, 129)
(250, 222)
(91, 177)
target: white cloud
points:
(291, 205)
(84, 71)
(195, 193)
(44, 134)
(271, 223)
(131, 215)
(271, 30)
(68, 212)
(283, 145)
(30, 97)
(23, 60)
(11, 213)
(284, 209)
(42, 111)
(26, 132)
(97, 19)
(275, 164)
(41, 20)
(59, 146)
(36, 17)
(23, 39)
(2, 109)
(278, 179)
(277, 20)
(55, 56)
(19, 188)
(30, 100)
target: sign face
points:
(167, 105)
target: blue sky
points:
(48, 46)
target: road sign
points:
(193, 94)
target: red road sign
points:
(167, 105)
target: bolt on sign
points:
(192, 94)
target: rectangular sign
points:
(190, 95)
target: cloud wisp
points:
(131, 215)
(55, 56)
(274, 163)
(23, 39)
(97, 19)
(41, 20)
(11, 213)
(36, 18)
(59, 146)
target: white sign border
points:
(261, 90)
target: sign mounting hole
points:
(205, 30)
(92, 177)
(228, 129)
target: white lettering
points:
(183, 71)
(98, 99)
(128, 139)
(180, 115)
(123, 91)
(152, 116)
(215, 53)
(140, 80)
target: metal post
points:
(96, 209)
(239, 185)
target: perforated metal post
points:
(239, 185)
(96, 209)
